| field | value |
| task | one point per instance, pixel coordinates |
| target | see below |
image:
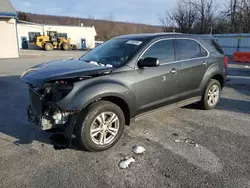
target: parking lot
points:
(222, 158)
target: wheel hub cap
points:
(104, 128)
(213, 95)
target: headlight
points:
(56, 91)
(60, 118)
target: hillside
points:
(105, 28)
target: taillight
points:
(226, 61)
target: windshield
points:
(115, 52)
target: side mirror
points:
(148, 62)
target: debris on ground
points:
(125, 163)
(166, 175)
(145, 132)
(138, 149)
(175, 134)
(178, 141)
(186, 140)
(247, 66)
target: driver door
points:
(156, 85)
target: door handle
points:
(173, 71)
(204, 63)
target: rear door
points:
(194, 63)
(156, 84)
(216, 53)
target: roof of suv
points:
(151, 36)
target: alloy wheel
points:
(104, 128)
(213, 95)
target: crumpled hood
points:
(61, 69)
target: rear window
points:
(189, 49)
(215, 45)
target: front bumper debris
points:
(60, 141)
(50, 117)
(40, 121)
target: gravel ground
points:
(222, 158)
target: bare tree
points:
(198, 16)
(238, 14)
(184, 15)
(207, 15)
(233, 6)
(91, 20)
(166, 21)
(244, 16)
(109, 27)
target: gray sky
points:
(139, 11)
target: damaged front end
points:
(43, 110)
(51, 83)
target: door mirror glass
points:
(148, 62)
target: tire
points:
(48, 47)
(88, 121)
(207, 104)
(66, 46)
(61, 46)
(73, 47)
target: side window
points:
(163, 50)
(189, 49)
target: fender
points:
(213, 70)
(88, 91)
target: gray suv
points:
(122, 80)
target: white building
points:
(8, 27)
(15, 34)
(82, 37)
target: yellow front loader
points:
(51, 42)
